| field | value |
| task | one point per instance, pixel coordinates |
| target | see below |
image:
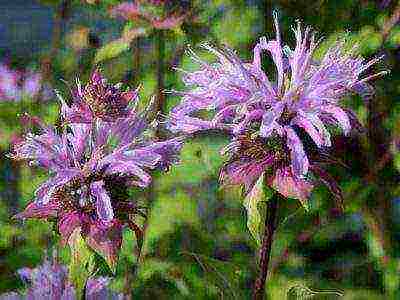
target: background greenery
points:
(197, 245)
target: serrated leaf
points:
(82, 261)
(111, 50)
(258, 194)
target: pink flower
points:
(101, 152)
(50, 282)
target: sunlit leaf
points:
(111, 50)
(167, 271)
(301, 292)
(258, 194)
(82, 261)
(223, 275)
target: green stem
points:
(265, 251)
(160, 107)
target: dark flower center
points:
(105, 101)
(257, 148)
(75, 195)
(286, 116)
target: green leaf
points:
(111, 50)
(300, 292)
(258, 194)
(82, 262)
(225, 276)
(166, 270)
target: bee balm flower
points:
(49, 281)
(305, 95)
(91, 166)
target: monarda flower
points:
(16, 85)
(305, 95)
(250, 157)
(50, 282)
(99, 100)
(172, 13)
(91, 167)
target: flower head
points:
(250, 157)
(91, 167)
(9, 80)
(305, 95)
(50, 282)
(172, 14)
(15, 84)
(98, 99)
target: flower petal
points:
(299, 159)
(40, 211)
(105, 239)
(340, 115)
(310, 129)
(244, 172)
(291, 186)
(319, 125)
(67, 223)
(269, 119)
(103, 202)
(45, 191)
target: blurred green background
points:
(197, 245)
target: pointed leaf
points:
(224, 275)
(299, 292)
(257, 194)
(138, 234)
(81, 265)
(111, 50)
(106, 240)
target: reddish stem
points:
(265, 251)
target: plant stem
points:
(136, 62)
(265, 251)
(160, 70)
(131, 270)
(61, 16)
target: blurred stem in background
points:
(378, 220)
(131, 271)
(265, 251)
(61, 16)
(160, 42)
(11, 177)
(136, 61)
(159, 108)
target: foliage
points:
(197, 240)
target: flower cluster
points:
(267, 117)
(103, 148)
(14, 85)
(50, 281)
(172, 15)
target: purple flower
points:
(91, 167)
(14, 85)
(98, 100)
(50, 282)
(250, 157)
(137, 11)
(9, 89)
(32, 84)
(305, 95)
